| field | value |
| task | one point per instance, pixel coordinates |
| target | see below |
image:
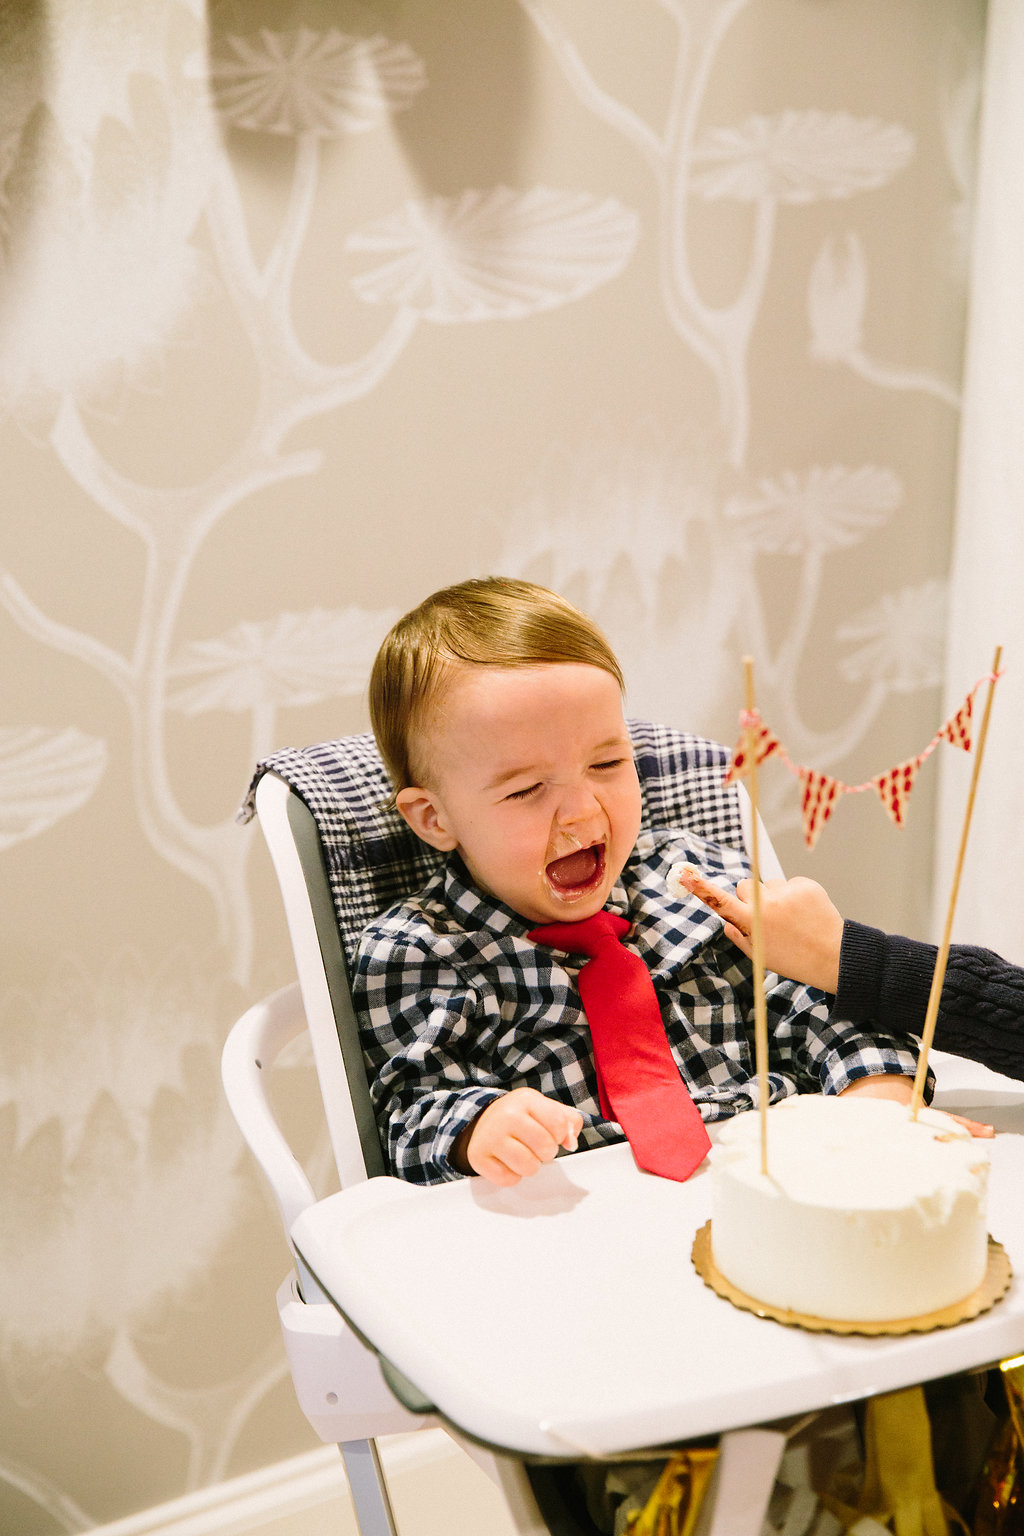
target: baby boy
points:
(497, 708)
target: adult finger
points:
(714, 896)
(976, 1127)
(733, 907)
(700, 886)
(739, 936)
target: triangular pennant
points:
(819, 798)
(957, 729)
(764, 745)
(894, 787)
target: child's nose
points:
(578, 804)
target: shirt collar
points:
(476, 908)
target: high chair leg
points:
(374, 1515)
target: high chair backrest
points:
(343, 854)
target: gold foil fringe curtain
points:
(999, 1510)
(894, 1488)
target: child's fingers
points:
(537, 1140)
(504, 1159)
(496, 1172)
(569, 1139)
(521, 1158)
(560, 1121)
(520, 1132)
(522, 1153)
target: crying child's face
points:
(533, 782)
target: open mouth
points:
(577, 872)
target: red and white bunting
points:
(764, 745)
(957, 729)
(894, 787)
(820, 794)
(821, 790)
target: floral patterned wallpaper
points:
(306, 308)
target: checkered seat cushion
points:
(373, 859)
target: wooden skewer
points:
(939, 974)
(756, 930)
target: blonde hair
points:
(492, 621)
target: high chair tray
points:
(564, 1317)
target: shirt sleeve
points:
(417, 1017)
(824, 1051)
(885, 978)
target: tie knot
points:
(583, 938)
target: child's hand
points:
(518, 1133)
(886, 1085)
(802, 930)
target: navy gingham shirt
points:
(456, 1007)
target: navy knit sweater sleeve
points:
(886, 979)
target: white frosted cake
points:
(865, 1215)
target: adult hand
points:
(802, 931)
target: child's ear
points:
(425, 816)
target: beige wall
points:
(659, 303)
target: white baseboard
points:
(243, 1504)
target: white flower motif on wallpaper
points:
(119, 1171)
(809, 516)
(792, 157)
(495, 255)
(817, 510)
(313, 82)
(481, 256)
(837, 295)
(97, 259)
(836, 298)
(961, 112)
(116, 1151)
(636, 530)
(296, 658)
(901, 639)
(897, 642)
(119, 1152)
(44, 776)
(628, 526)
(798, 157)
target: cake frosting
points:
(674, 881)
(865, 1214)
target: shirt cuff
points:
(466, 1107)
(881, 1055)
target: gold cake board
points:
(993, 1287)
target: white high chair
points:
(520, 1408)
(338, 864)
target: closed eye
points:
(615, 762)
(523, 794)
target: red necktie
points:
(637, 1076)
